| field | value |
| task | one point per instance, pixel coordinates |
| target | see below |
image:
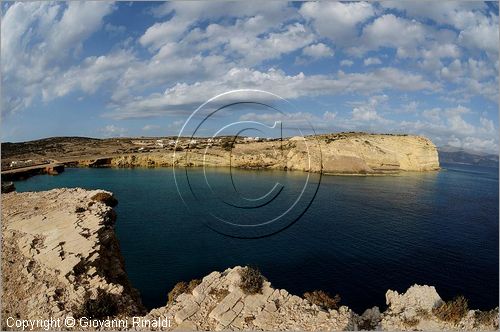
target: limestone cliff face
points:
(345, 153)
(59, 250)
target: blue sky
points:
(104, 69)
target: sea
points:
(356, 236)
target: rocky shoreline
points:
(332, 154)
(60, 257)
(336, 154)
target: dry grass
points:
(181, 288)
(219, 293)
(80, 209)
(452, 311)
(487, 318)
(411, 322)
(251, 280)
(323, 299)
(103, 306)
(423, 313)
(105, 198)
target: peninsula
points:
(341, 153)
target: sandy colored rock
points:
(57, 251)
(343, 153)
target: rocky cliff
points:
(60, 258)
(344, 153)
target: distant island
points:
(454, 155)
(352, 153)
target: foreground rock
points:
(219, 303)
(60, 258)
(60, 254)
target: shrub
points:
(411, 322)
(219, 293)
(105, 198)
(486, 318)
(80, 209)
(101, 307)
(227, 145)
(251, 280)
(452, 311)
(182, 287)
(423, 313)
(323, 299)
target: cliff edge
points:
(344, 153)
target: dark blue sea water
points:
(360, 237)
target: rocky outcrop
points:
(218, 303)
(345, 153)
(60, 253)
(60, 258)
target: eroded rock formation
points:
(59, 251)
(345, 153)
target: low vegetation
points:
(219, 293)
(411, 322)
(103, 306)
(251, 280)
(323, 299)
(227, 145)
(181, 288)
(105, 198)
(487, 318)
(452, 311)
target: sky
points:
(104, 69)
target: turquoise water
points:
(360, 237)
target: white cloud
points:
(183, 97)
(458, 14)
(317, 51)
(346, 63)
(433, 114)
(37, 38)
(150, 127)
(367, 111)
(113, 131)
(372, 61)
(392, 31)
(337, 20)
(483, 36)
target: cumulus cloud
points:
(346, 63)
(392, 31)
(337, 20)
(53, 32)
(183, 97)
(372, 61)
(317, 51)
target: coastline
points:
(343, 154)
(45, 232)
